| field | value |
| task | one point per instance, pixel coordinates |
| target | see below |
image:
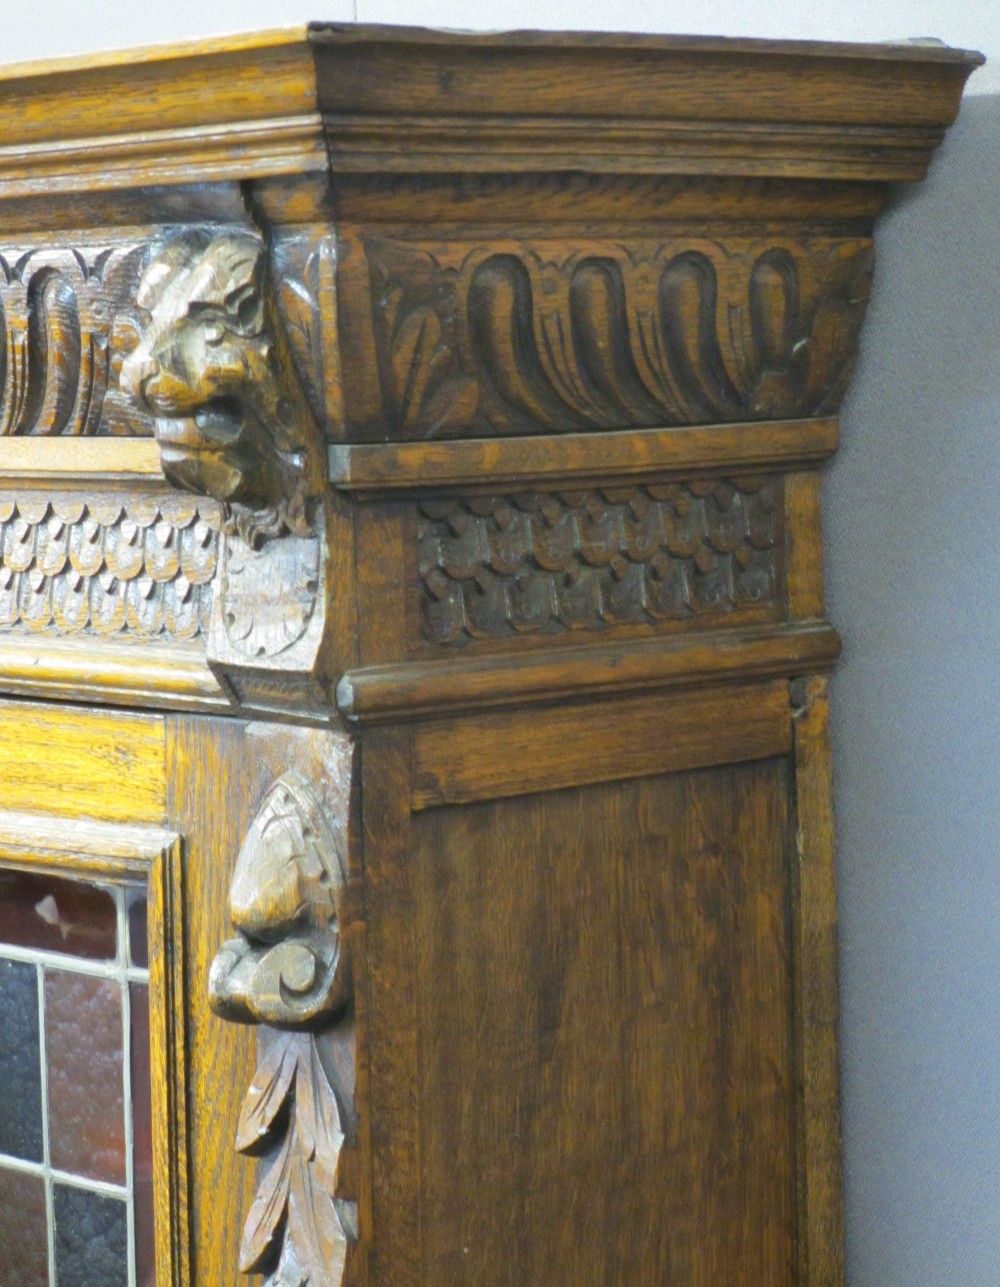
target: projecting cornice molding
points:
(364, 99)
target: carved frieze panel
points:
(117, 565)
(289, 969)
(475, 339)
(67, 321)
(494, 567)
(187, 335)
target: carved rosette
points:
(289, 969)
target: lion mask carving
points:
(231, 420)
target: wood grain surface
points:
(487, 757)
(83, 763)
(605, 1063)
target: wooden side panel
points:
(604, 1065)
(392, 1002)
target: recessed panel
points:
(605, 1076)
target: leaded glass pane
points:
(57, 915)
(84, 1054)
(20, 1062)
(24, 1258)
(91, 1238)
(76, 1163)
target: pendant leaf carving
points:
(293, 1232)
(289, 970)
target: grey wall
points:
(913, 530)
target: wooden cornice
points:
(197, 111)
(406, 100)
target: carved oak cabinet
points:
(411, 592)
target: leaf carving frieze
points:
(116, 566)
(67, 322)
(494, 567)
(516, 337)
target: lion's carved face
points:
(207, 367)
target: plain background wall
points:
(913, 530)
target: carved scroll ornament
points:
(288, 969)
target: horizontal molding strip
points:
(209, 154)
(154, 675)
(418, 689)
(515, 753)
(56, 461)
(403, 144)
(369, 470)
(80, 846)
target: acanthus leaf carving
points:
(294, 1232)
(289, 970)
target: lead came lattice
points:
(73, 1172)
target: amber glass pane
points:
(20, 1066)
(57, 915)
(142, 1137)
(24, 1256)
(84, 1053)
(138, 929)
(91, 1239)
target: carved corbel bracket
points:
(213, 368)
(289, 970)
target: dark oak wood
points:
(411, 563)
(490, 757)
(370, 470)
(605, 1088)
